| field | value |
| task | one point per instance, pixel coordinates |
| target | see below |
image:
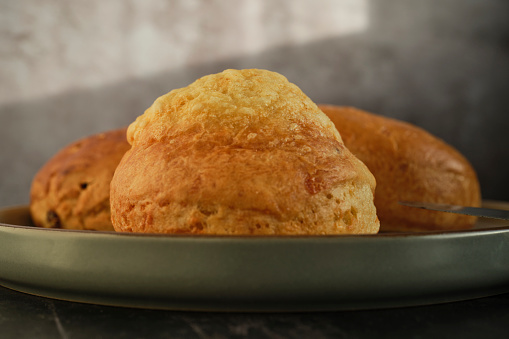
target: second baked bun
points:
(72, 189)
(240, 152)
(408, 164)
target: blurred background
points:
(69, 69)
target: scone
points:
(72, 189)
(242, 152)
(409, 164)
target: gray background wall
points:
(70, 69)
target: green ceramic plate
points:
(253, 273)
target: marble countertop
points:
(26, 316)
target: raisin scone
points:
(71, 190)
(409, 164)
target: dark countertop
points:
(27, 316)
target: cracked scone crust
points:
(72, 189)
(240, 152)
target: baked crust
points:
(408, 164)
(72, 189)
(240, 152)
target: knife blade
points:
(475, 211)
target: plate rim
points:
(470, 231)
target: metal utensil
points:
(475, 211)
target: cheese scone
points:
(242, 152)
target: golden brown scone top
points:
(72, 189)
(240, 152)
(234, 102)
(409, 164)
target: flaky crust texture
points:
(408, 164)
(238, 153)
(71, 190)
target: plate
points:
(271, 273)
